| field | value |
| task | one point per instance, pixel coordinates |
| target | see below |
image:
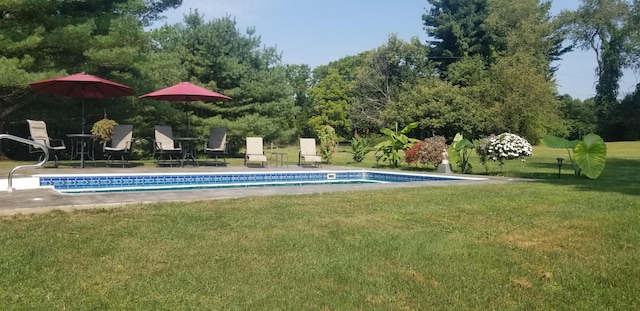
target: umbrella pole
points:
(83, 121)
(186, 113)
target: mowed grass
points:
(562, 244)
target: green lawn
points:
(562, 244)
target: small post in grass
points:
(559, 166)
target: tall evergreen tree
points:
(43, 39)
(459, 30)
(217, 55)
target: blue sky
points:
(317, 32)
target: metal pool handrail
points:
(28, 142)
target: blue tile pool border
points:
(170, 181)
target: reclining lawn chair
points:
(217, 145)
(38, 133)
(121, 145)
(308, 152)
(254, 152)
(165, 150)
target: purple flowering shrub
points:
(482, 148)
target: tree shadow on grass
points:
(619, 176)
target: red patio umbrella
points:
(82, 85)
(186, 92)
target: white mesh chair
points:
(255, 152)
(217, 145)
(38, 133)
(121, 145)
(308, 152)
(165, 150)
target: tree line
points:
(487, 68)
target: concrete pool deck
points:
(28, 201)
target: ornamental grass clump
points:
(507, 146)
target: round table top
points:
(186, 138)
(81, 135)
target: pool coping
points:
(29, 201)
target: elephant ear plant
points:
(589, 153)
(396, 142)
(459, 152)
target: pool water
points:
(91, 183)
(220, 186)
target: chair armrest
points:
(34, 149)
(58, 142)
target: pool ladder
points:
(45, 158)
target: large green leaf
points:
(591, 138)
(457, 138)
(591, 157)
(387, 132)
(453, 154)
(409, 127)
(382, 144)
(558, 142)
(463, 144)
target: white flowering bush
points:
(505, 146)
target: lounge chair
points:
(165, 150)
(308, 152)
(121, 145)
(217, 145)
(38, 133)
(255, 152)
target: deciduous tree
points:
(605, 27)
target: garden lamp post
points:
(559, 166)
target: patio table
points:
(84, 140)
(189, 149)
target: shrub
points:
(431, 150)
(328, 140)
(104, 129)
(482, 149)
(507, 146)
(411, 155)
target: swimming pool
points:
(92, 183)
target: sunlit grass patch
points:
(564, 244)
